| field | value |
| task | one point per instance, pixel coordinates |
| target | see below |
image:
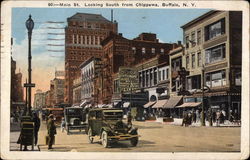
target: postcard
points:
(124, 79)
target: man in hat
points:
(36, 121)
(51, 131)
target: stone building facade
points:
(213, 55)
(83, 36)
(90, 70)
(39, 99)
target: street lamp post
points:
(29, 25)
(203, 95)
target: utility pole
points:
(203, 100)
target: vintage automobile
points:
(75, 118)
(107, 125)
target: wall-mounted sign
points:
(128, 78)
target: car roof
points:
(104, 109)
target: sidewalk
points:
(14, 135)
(178, 122)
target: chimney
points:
(179, 43)
(111, 15)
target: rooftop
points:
(88, 17)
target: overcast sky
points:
(131, 22)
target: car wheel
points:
(104, 139)
(90, 137)
(134, 141)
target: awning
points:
(189, 104)
(83, 103)
(172, 102)
(126, 104)
(160, 103)
(149, 104)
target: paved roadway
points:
(156, 137)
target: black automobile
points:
(75, 119)
(106, 124)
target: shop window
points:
(215, 29)
(216, 79)
(215, 54)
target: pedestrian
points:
(197, 116)
(63, 124)
(51, 131)
(193, 117)
(129, 118)
(221, 118)
(217, 118)
(36, 121)
(224, 114)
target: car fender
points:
(134, 131)
(107, 129)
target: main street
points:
(156, 137)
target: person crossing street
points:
(51, 131)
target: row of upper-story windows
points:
(86, 39)
(209, 32)
(143, 50)
(196, 60)
(151, 77)
(90, 25)
(212, 55)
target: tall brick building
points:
(83, 37)
(119, 51)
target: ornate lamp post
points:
(29, 25)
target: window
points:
(193, 60)
(167, 73)
(215, 29)
(153, 50)
(187, 62)
(162, 50)
(187, 41)
(215, 54)
(163, 74)
(159, 75)
(155, 76)
(143, 50)
(133, 49)
(238, 77)
(198, 37)
(199, 62)
(216, 79)
(176, 64)
(193, 39)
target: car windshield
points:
(74, 112)
(112, 115)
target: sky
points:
(46, 59)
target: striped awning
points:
(172, 102)
(160, 103)
(149, 104)
(189, 104)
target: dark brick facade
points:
(83, 36)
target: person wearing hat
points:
(36, 121)
(51, 131)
